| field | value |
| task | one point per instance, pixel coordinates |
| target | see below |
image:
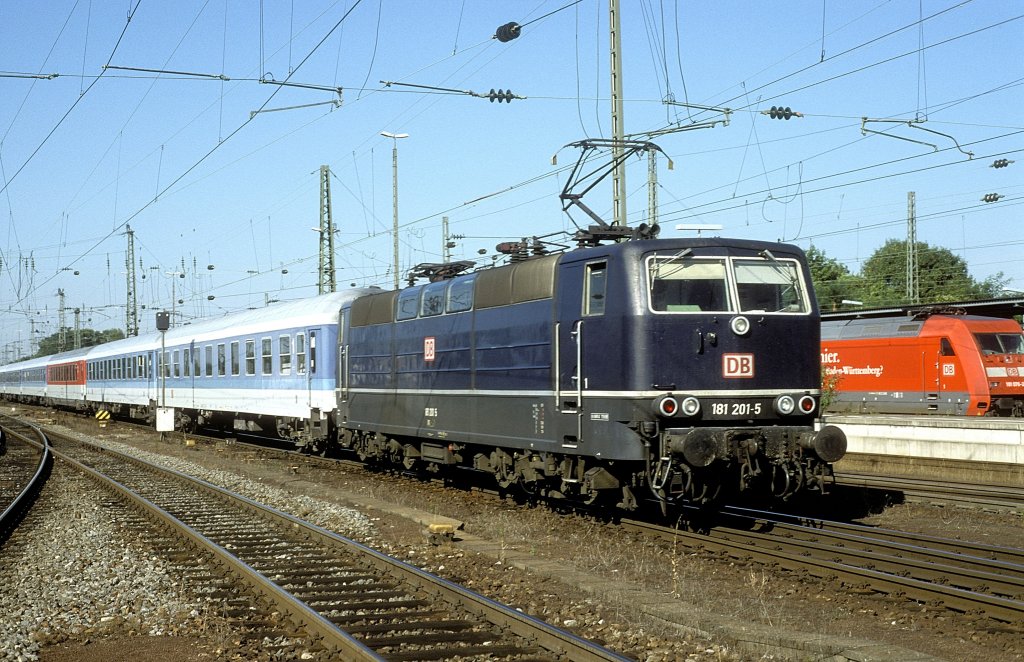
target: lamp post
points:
(394, 190)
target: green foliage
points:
(833, 282)
(941, 276)
(90, 338)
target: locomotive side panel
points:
(894, 375)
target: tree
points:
(941, 276)
(90, 338)
(833, 282)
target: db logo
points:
(428, 348)
(737, 365)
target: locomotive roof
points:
(1004, 307)
(904, 326)
(645, 245)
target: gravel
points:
(73, 572)
(540, 562)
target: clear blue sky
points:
(203, 182)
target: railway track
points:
(943, 573)
(354, 601)
(973, 495)
(23, 472)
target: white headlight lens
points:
(785, 405)
(740, 325)
(691, 406)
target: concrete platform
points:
(984, 450)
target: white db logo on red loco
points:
(737, 365)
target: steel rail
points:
(22, 503)
(544, 635)
(315, 625)
(975, 494)
(794, 556)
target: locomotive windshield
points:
(1000, 343)
(682, 284)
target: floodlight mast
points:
(394, 193)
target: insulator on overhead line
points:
(780, 113)
(1001, 163)
(991, 197)
(500, 95)
(508, 32)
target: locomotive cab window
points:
(1000, 343)
(770, 285)
(687, 285)
(946, 348)
(595, 288)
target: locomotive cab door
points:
(582, 295)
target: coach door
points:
(342, 371)
(311, 368)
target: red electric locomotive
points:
(924, 363)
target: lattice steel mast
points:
(326, 282)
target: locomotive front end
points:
(735, 367)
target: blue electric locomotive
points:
(682, 367)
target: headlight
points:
(807, 404)
(691, 406)
(740, 325)
(785, 405)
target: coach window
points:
(209, 361)
(300, 353)
(235, 359)
(250, 357)
(285, 348)
(177, 364)
(186, 362)
(222, 360)
(268, 358)
(460, 295)
(408, 303)
(433, 299)
(594, 288)
(197, 367)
